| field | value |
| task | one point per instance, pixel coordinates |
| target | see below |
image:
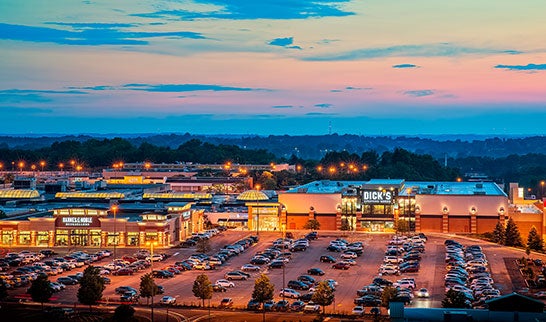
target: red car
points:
(129, 259)
(123, 271)
(341, 265)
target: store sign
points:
(382, 197)
(77, 221)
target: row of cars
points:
(401, 253)
(277, 256)
(44, 263)
(468, 273)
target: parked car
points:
(218, 288)
(290, 293)
(253, 305)
(225, 283)
(311, 308)
(67, 281)
(297, 306)
(226, 302)
(358, 310)
(327, 259)
(341, 265)
(315, 271)
(167, 300)
(250, 268)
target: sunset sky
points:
(273, 66)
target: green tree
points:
(324, 295)
(91, 286)
(454, 299)
(388, 294)
(203, 246)
(345, 225)
(3, 214)
(263, 291)
(498, 233)
(202, 288)
(312, 224)
(124, 313)
(402, 226)
(40, 290)
(149, 289)
(512, 237)
(3, 290)
(534, 242)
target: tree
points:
(389, 293)
(454, 299)
(202, 288)
(498, 233)
(512, 237)
(3, 214)
(148, 289)
(534, 242)
(41, 290)
(3, 290)
(203, 246)
(91, 286)
(263, 291)
(124, 313)
(324, 295)
(345, 225)
(402, 226)
(312, 224)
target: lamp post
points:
(152, 244)
(114, 210)
(542, 189)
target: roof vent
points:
(479, 185)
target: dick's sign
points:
(383, 197)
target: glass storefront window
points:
(151, 237)
(132, 239)
(24, 238)
(61, 238)
(42, 238)
(95, 238)
(7, 237)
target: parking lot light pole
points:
(151, 244)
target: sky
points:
(376, 67)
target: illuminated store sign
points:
(383, 197)
(77, 221)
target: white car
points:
(311, 308)
(225, 283)
(288, 292)
(422, 293)
(349, 255)
(389, 271)
(358, 310)
(250, 268)
(167, 300)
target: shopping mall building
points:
(103, 225)
(377, 205)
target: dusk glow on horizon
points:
(273, 67)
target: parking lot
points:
(430, 275)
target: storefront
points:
(98, 227)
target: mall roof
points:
(19, 194)
(451, 188)
(325, 186)
(90, 195)
(407, 188)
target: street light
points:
(42, 164)
(114, 210)
(151, 243)
(542, 188)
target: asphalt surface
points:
(431, 274)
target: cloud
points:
(31, 95)
(263, 9)
(169, 88)
(283, 106)
(523, 67)
(174, 88)
(351, 88)
(405, 66)
(336, 91)
(419, 93)
(323, 105)
(87, 34)
(284, 42)
(18, 111)
(426, 50)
